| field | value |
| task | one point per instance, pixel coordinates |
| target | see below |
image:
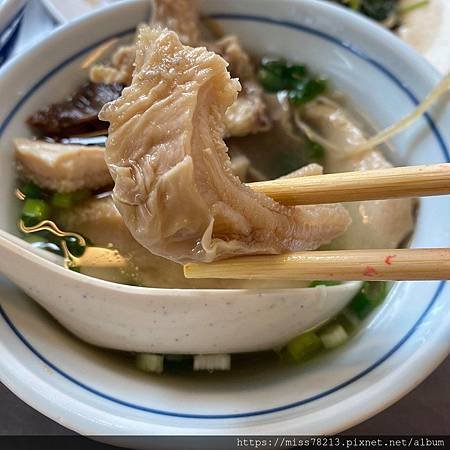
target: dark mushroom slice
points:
(77, 115)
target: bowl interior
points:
(383, 80)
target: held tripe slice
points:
(173, 181)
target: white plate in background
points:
(65, 10)
(427, 29)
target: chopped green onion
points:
(361, 305)
(304, 346)
(339, 329)
(315, 151)
(212, 362)
(272, 75)
(30, 190)
(370, 296)
(307, 90)
(333, 335)
(349, 320)
(60, 200)
(378, 9)
(295, 73)
(270, 81)
(150, 363)
(278, 75)
(68, 199)
(276, 66)
(354, 4)
(324, 283)
(376, 291)
(409, 8)
(34, 211)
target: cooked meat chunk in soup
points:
(276, 152)
(99, 220)
(62, 168)
(377, 223)
(305, 171)
(119, 71)
(173, 181)
(67, 168)
(181, 16)
(248, 114)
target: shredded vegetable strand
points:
(48, 225)
(311, 134)
(98, 52)
(388, 133)
(410, 8)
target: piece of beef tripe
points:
(173, 181)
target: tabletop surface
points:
(424, 411)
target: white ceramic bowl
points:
(154, 320)
(94, 392)
(425, 28)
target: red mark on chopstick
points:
(389, 258)
(369, 271)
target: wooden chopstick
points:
(396, 264)
(412, 181)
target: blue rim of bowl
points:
(440, 286)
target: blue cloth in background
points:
(36, 25)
